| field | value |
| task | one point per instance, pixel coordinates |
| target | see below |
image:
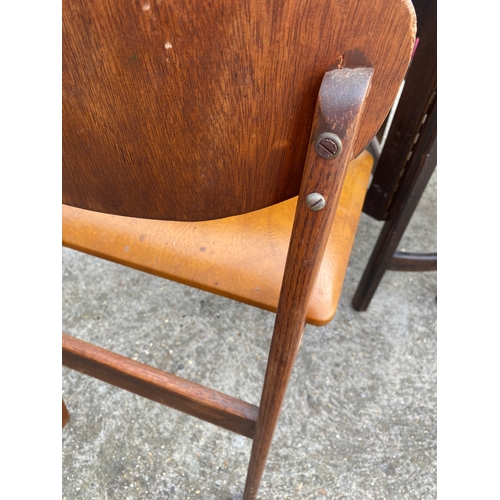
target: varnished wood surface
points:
(397, 159)
(170, 390)
(407, 160)
(408, 196)
(240, 257)
(199, 110)
(338, 110)
(413, 262)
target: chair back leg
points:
(336, 118)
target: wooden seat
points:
(241, 257)
(242, 124)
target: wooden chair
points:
(222, 113)
(404, 163)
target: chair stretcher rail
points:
(196, 400)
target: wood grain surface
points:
(241, 257)
(194, 399)
(199, 110)
(339, 107)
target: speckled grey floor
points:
(359, 420)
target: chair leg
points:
(65, 414)
(392, 231)
(284, 349)
(307, 245)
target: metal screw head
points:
(315, 201)
(328, 145)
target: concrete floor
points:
(359, 419)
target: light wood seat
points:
(241, 257)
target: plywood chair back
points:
(199, 110)
(191, 111)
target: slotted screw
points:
(315, 201)
(328, 145)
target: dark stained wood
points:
(65, 415)
(393, 229)
(199, 110)
(170, 390)
(241, 257)
(415, 262)
(395, 161)
(339, 107)
(405, 164)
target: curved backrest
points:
(194, 110)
